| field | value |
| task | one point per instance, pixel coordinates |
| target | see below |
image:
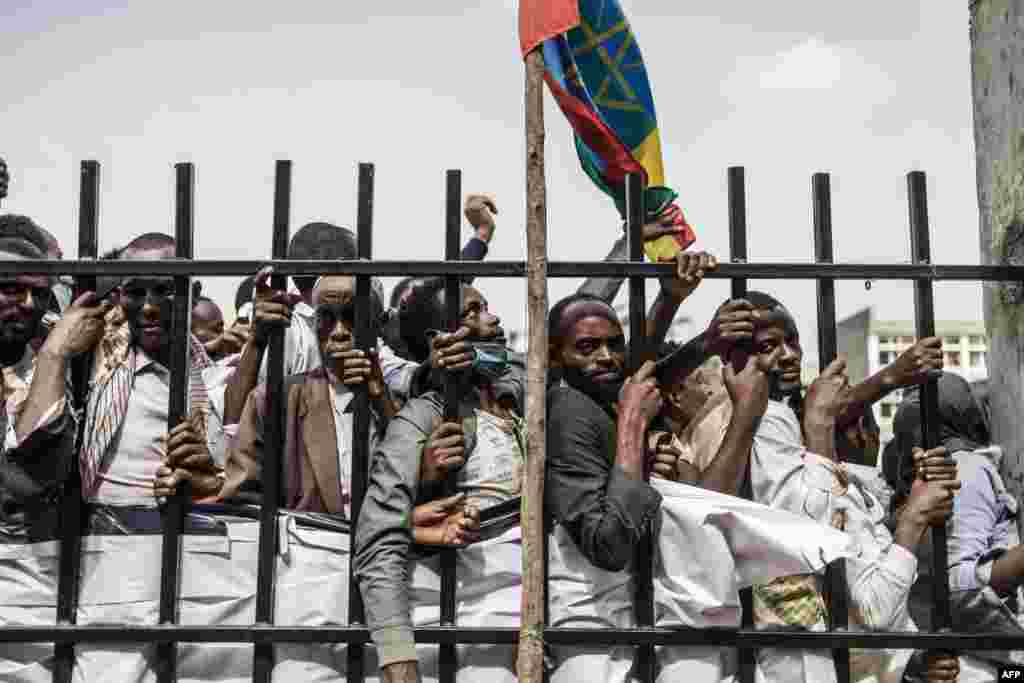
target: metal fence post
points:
(924, 312)
(638, 352)
(177, 505)
(365, 340)
(738, 254)
(835, 573)
(738, 225)
(448, 663)
(71, 506)
(273, 458)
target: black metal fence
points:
(263, 634)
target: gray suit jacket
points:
(384, 528)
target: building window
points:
(886, 410)
(977, 339)
(951, 340)
(883, 340)
(977, 359)
(953, 359)
(886, 357)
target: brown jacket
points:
(312, 480)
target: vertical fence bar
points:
(453, 310)
(738, 254)
(924, 312)
(637, 354)
(177, 410)
(738, 226)
(835, 573)
(71, 503)
(365, 340)
(273, 465)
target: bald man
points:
(208, 328)
(207, 320)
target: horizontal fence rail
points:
(775, 270)
(481, 636)
(264, 633)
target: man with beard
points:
(602, 504)
(24, 228)
(483, 453)
(30, 435)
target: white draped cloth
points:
(786, 476)
(120, 584)
(709, 546)
(488, 595)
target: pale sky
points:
(866, 91)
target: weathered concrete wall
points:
(997, 60)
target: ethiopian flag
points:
(595, 72)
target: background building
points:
(870, 345)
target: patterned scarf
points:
(114, 368)
(798, 600)
(13, 391)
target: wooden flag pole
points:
(530, 664)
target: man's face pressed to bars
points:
(786, 370)
(207, 321)
(476, 315)
(147, 303)
(23, 302)
(333, 301)
(592, 350)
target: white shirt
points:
(786, 475)
(879, 576)
(341, 398)
(135, 453)
(344, 423)
(493, 471)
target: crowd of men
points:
(713, 453)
